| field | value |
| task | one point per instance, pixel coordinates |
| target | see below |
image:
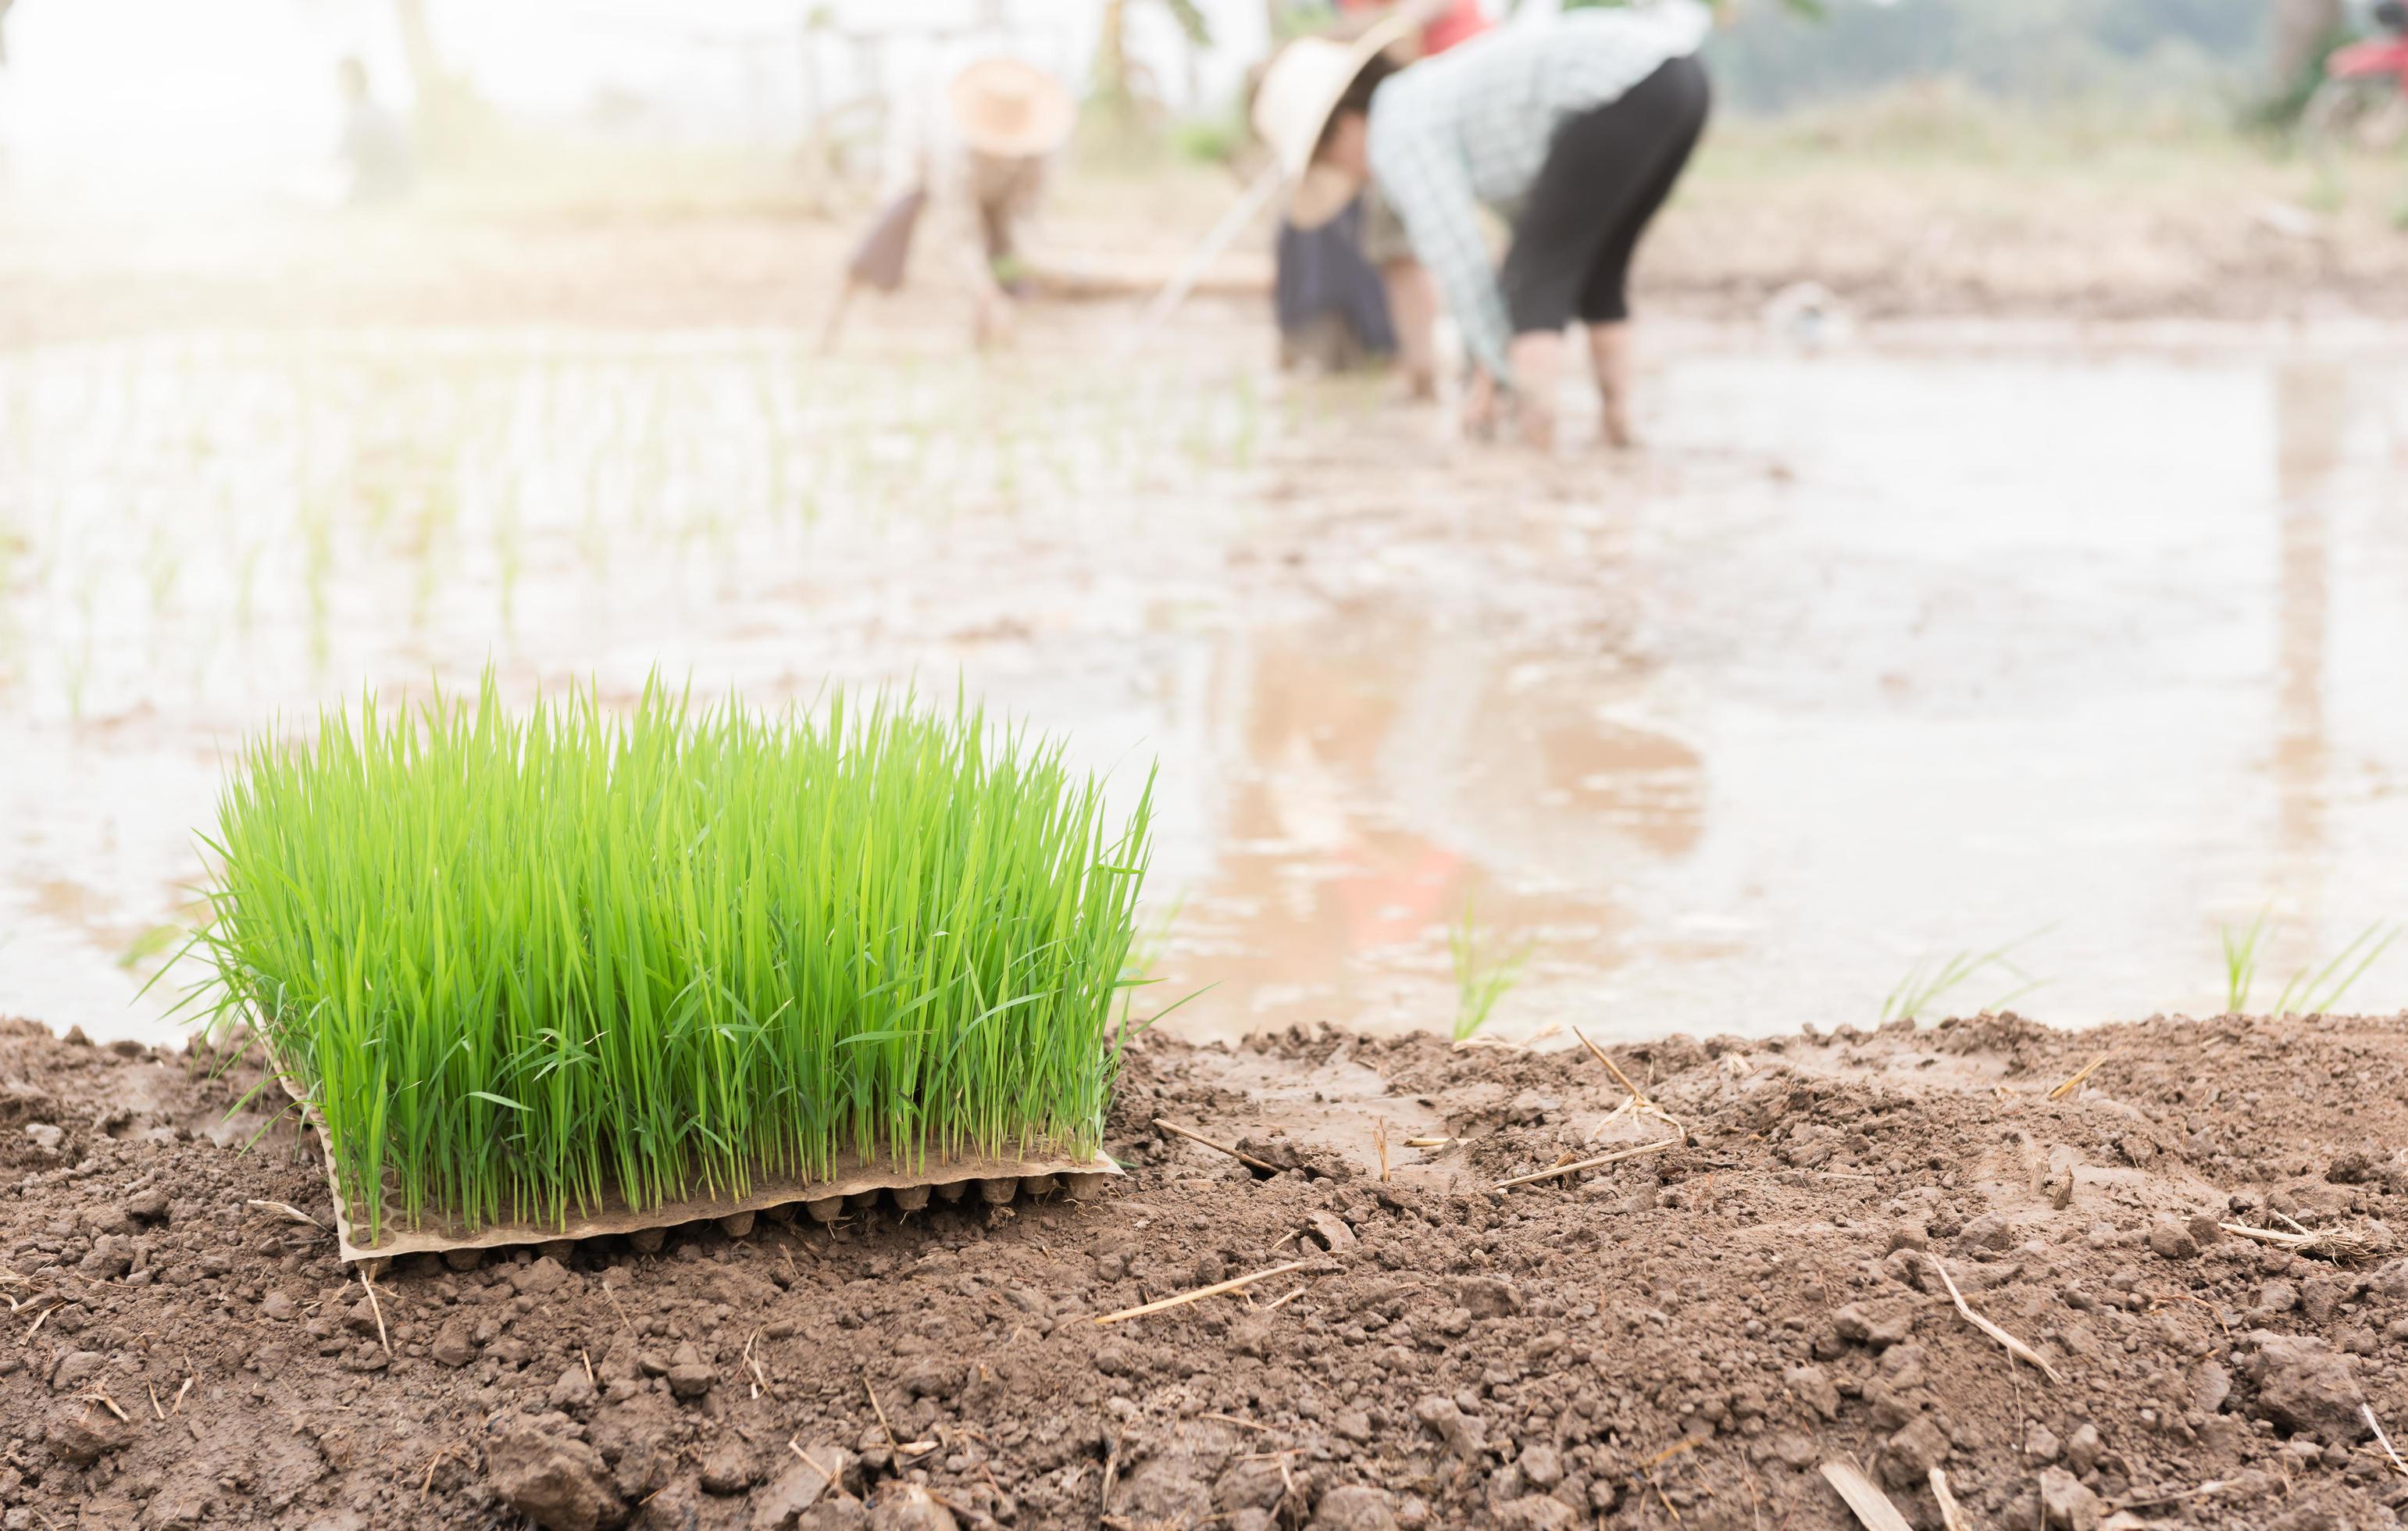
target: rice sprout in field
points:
(2241, 963)
(1928, 980)
(2317, 993)
(2309, 991)
(536, 964)
(1479, 983)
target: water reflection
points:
(1842, 674)
(1391, 765)
(2312, 411)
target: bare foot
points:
(1613, 426)
(1538, 425)
(991, 321)
(1609, 349)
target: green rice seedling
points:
(526, 966)
(150, 943)
(1926, 982)
(2318, 992)
(1479, 983)
(1151, 941)
(2241, 963)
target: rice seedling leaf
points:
(682, 948)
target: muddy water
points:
(1875, 657)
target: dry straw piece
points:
(1869, 1504)
(2079, 1078)
(1235, 1283)
(2341, 1245)
(537, 976)
(1578, 1167)
(2012, 1346)
(2388, 1449)
(1951, 1514)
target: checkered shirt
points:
(1473, 124)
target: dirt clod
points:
(2069, 1505)
(1463, 1433)
(728, 1470)
(1537, 1513)
(455, 1343)
(1879, 1324)
(83, 1432)
(1355, 1506)
(688, 1376)
(2304, 1383)
(1717, 1323)
(2171, 1237)
(559, 1483)
(910, 1507)
(1912, 1453)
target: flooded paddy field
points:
(2086, 645)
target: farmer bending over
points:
(975, 163)
(1574, 127)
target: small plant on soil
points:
(530, 964)
(2312, 991)
(2317, 993)
(1480, 981)
(1928, 981)
(2241, 963)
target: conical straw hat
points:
(1300, 90)
(1004, 106)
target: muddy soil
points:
(1981, 246)
(1682, 1338)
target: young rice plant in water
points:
(526, 965)
(1480, 980)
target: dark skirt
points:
(1606, 176)
(1322, 276)
(885, 253)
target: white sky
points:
(159, 97)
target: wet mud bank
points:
(1682, 1336)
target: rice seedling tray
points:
(994, 1180)
(544, 976)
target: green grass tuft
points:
(529, 964)
(1479, 983)
(1929, 981)
(2316, 993)
(2310, 990)
(2241, 956)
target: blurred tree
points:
(1116, 88)
(451, 119)
(2027, 51)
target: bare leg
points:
(834, 324)
(1537, 357)
(1413, 307)
(1609, 352)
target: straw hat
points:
(1300, 90)
(1003, 107)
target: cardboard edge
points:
(766, 1193)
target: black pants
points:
(1606, 173)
